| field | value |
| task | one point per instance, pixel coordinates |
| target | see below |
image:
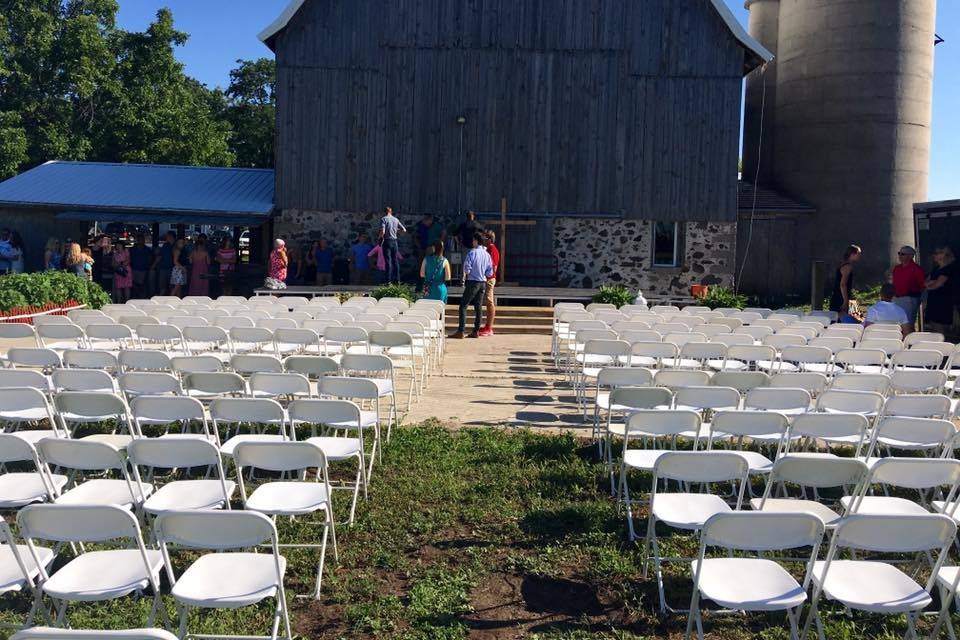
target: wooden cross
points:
(504, 223)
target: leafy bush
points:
(717, 297)
(405, 291)
(49, 287)
(615, 294)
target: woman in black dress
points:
(843, 284)
(941, 284)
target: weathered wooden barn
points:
(613, 123)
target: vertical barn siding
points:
(616, 106)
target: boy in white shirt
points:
(885, 311)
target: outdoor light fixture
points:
(461, 120)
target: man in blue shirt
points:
(141, 259)
(477, 268)
(324, 258)
(163, 264)
(360, 260)
(390, 227)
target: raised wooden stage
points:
(545, 295)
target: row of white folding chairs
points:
(721, 524)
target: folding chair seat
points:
(815, 473)
(164, 411)
(922, 475)
(166, 337)
(251, 340)
(25, 407)
(290, 498)
(61, 336)
(689, 511)
(789, 402)
(843, 429)
(75, 408)
(149, 383)
(29, 358)
(258, 414)
(83, 380)
(917, 406)
(87, 456)
(742, 381)
(110, 337)
(247, 364)
(769, 586)
(20, 488)
(144, 360)
(91, 359)
(147, 455)
(92, 576)
(661, 428)
(890, 591)
(766, 427)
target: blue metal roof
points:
(166, 191)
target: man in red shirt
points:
(909, 282)
(490, 301)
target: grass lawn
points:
(481, 534)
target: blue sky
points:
(222, 31)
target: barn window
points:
(667, 244)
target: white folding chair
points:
(83, 380)
(251, 340)
(180, 492)
(917, 405)
(841, 429)
(930, 436)
(290, 498)
(20, 488)
(812, 382)
(92, 576)
(165, 337)
(624, 401)
(207, 340)
(50, 633)
(865, 403)
(110, 337)
(689, 511)
(18, 331)
(789, 402)
(331, 415)
(361, 390)
(400, 349)
(706, 401)
(229, 578)
(85, 456)
(610, 378)
(293, 340)
(873, 382)
(29, 358)
(23, 378)
(185, 365)
(207, 386)
(742, 381)
(247, 364)
(61, 336)
(282, 387)
(918, 381)
(922, 475)
(164, 411)
(890, 590)
(745, 427)
(674, 379)
(23, 409)
(696, 355)
(861, 360)
(89, 359)
(816, 473)
(771, 587)
(745, 357)
(149, 383)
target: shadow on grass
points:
(546, 525)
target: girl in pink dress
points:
(122, 274)
(278, 261)
(199, 267)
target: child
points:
(87, 263)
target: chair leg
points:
(694, 615)
(626, 498)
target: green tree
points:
(251, 112)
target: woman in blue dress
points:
(435, 271)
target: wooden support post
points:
(501, 277)
(818, 279)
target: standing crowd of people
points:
(909, 290)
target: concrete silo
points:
(851, 118)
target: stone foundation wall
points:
(593, 252)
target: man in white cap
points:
(909, 283)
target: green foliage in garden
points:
(616, 294)
(49, 287)
(405, 291)
(720, 297)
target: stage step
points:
(510, 320)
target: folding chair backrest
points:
(664, 422)
(82, 380)
(160, 333)
(16, 330)
(83, 455)
(150, 383)
(254, 363)
(916, 358)
(819, 472)
(276, 324)
(749, 423)
(279, 456)
(341, 387)
(755, 332)
(215, 530)
(733, 323)
(109, 332)
(196, 364)
(182, 322)
(311, 366)
(640, 335)
(780, 341)
(875, 382)
(365, 363)
(77, 523)
(251, 335)
(312, 411)
(682, 339)
(213, 335)
(814, 383)
(252, 410)
(586, 335)
(701, 466)
(16, 449)
(90, 404)
(834, 343)
(864, 402)
(806, 355)
(233, 322)
(166, 408)
(700, 397)
(304, 337)
(777, 399)
(45, 320)
(895, 533)
(279, 384)
(606, 347)
(925, 381)
(711, 330)
(703, 351)
(742, 381)
(917, 406)
(807, 333)
(347, 335)
(945, 349)
(830, 425)
(915, 473)
(922, 336)
(658, 350)
(637, 398)
(60, 332)
(888, 345)
(773, 323)
(173, 453)
(676, 378)
(762, 531)
(665, 328)
(629, 325)
(733, 339)
(916, 431)
(36, 358)
(90, 359)
(216, 382)
(751, 353)
(131, 360)
(391, 338)
(19, 378)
